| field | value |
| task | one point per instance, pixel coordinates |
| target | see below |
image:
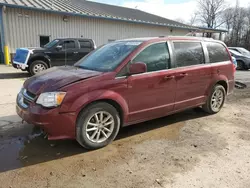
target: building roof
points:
(94, 9)
(207, 30)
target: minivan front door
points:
(193, 76)
(152, 94)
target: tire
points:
(88, 116)
(241, 65)
(209, 107)
(37, 66)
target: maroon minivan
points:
(127, 82)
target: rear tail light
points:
(231, 59)
(234, 68)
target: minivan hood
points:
(57, 77)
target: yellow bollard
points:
(6, 55)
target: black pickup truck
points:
(56, 53)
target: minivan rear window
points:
(217, 52)
(188, 53)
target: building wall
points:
(23, 28)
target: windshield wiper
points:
(83, 67)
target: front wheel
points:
(97, 125)
(37, 66)
(215, 100)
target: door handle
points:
(75, 52)
(169, 77)
(182, 75)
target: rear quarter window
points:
(217, 52)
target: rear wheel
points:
(97, 125)
(37, 66)
(215, 100)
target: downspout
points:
(2, 38)
(4, 43)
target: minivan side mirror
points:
(59, 47)
(137, 68)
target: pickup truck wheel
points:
(37, 66)
(97, 125)
(215, 100)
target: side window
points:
(188, 53)
(68, 44)
(156, 57)
(217, 52)
(85, 44)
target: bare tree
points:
(238, 25)
(227, 17)
(180, 20)
(193, 19)
(237, 21)
(210, 12)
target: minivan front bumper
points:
(57, 125)
(231, 85)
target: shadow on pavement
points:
(14, 75)
(22, 150)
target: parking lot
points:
(188, 149)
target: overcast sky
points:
(172, 9)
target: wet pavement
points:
(24, 145)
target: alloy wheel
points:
(217, 100)
(100, 126)
(38, 68)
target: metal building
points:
(32, 23)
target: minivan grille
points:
(25, 98)
(30, 94)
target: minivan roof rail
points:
(192, 37)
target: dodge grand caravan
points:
(127, 82)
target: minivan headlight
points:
(51, 99)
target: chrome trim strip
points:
(27, 96)
(20, 102)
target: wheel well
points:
(39, 58)
(240, 61)
(223, 83)
(111, 102)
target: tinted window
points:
(188, 53)
(51, 44)
(85, 44)
(69, 44)
(156, 57)
(217, 52)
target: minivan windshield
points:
(51, 44)
(106, 58)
